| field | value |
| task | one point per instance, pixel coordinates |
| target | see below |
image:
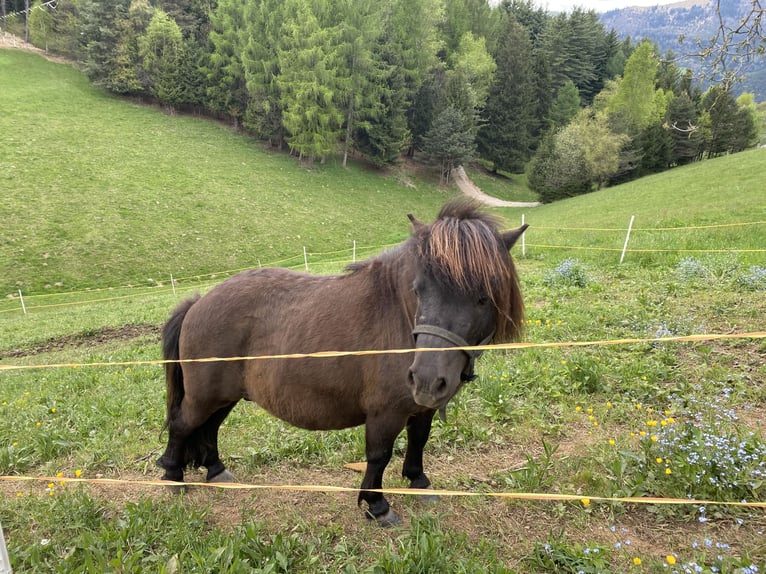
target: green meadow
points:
(652, 452)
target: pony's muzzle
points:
(430, 387)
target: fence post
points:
(627, 237)
(305, 259)
(5, 562)
(173, 284)
(354, 258)
(523, 241)
(21, 298)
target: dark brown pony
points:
(451, 284)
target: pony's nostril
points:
(441, 385)
(410, 378)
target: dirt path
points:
(470, 189)
(8, 40)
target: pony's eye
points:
(483, 301)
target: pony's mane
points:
(463, 248)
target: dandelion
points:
(78, 473)
(637, 561)
(578, 408)
(53, 410)
(658, 460)
(639, 406)
(590, 410)
(668, 471)
(651, 423)
(585, 501)
(670, 559)
(38, 424)
(609, 404)
(654, 438)
(642, 433)
(611, 442)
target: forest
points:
(557, 96)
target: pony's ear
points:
(416, 224)
(511, 237)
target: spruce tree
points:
(505, 139)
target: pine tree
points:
(505, 139)
(448, 143)
(265, 20)
(308, 84)
(225, 74)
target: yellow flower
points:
(590, 409)
(611, 442)
(78, 473)
(670, 559)
(38, 424)
(609, 404)
(639, 406)
(664, 422)
(59, 475)
(19, 494)
(654, 438)
(591, 417)
(642, 433)
(632, 434)
(637, 561)
(595, 423)
(671, 420)
(53, 410)
(585, 501)
(578, 408)
(659, 460)
(651, 423)
(668, 471)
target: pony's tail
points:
(174, 376)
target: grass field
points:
(111, 200)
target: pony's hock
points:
(451, 284)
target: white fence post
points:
(627, 237)
(523, 241)
(305, 259)
(5, 562)
(23, 307)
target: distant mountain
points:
(692, 19)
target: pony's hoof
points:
(388, 519)
(177, 489)
(430, 498)
(223, 476)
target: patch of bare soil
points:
(91, 338)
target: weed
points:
(569, 272)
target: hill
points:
(103, 192)
(695, 20)
(99, 190)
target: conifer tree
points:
(505, 139)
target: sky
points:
(597, 5)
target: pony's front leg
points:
(380, 436)
(418, 431)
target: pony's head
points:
(467, 294)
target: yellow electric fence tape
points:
(326, 354)
(410, 491)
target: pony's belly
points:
(314, 413)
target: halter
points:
(468, 374)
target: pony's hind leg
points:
(418, 431)
(216, 471)
(193, 440)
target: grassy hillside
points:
(102, 192)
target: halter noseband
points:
(468, 374)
